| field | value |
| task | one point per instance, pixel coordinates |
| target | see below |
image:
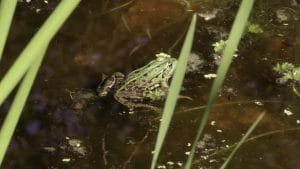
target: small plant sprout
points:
(219, 46)
(289, 73)
(255, 28)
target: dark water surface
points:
(57, 131)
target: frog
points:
(143, 86)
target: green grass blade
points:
(29, 54)
(258, 119)
(253, 138)
(7, 10)
(232, 43)
(16, 108)
(174, 91)
(121, 6)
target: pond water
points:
(59, 129)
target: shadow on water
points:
(59, 129)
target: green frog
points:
(143, 85)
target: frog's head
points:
(110, 83)
(170, 64)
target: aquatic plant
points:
(174, 90)
(235, 35)
(26, 66)
(219, 46)
(254, 28)
(229, 49)
(249, 139)
(290, 73)
(242, 141)
(7, 8)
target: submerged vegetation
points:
(289, 73)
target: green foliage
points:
(40, 39)
(253, 126)
(255, 28)
(174, 91)
(16, 108)
(26, 66)
(288, 71)
(7, 9)
(219, 46)
(235, 35)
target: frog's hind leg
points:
(133, 105)
(185, 97)
(147, 106)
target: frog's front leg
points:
(157, 94)
(164, 84)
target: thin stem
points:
(7, 10)
(15, 111)
(242, 141)
(226, 104)
(295, 90)
(29, 54)
(233, 41)
(253, 138)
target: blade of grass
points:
(121, 6)
(7, 10)
(232, 43)
(241, 102)
(29, 54)
(16, 108)
(253, 138)
(253, 126)
(174, 91)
